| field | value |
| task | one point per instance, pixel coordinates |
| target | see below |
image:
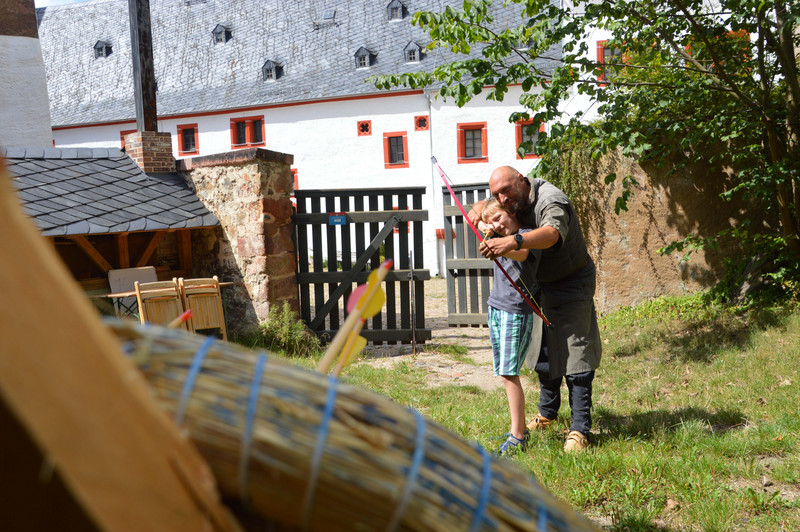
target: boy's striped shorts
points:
(510, 335)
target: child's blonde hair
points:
(489, 208)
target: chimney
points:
(151, 150)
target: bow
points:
(536, 309)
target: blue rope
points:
(413, 471)
(188, 385)
(543, 517)
(477, 520)
(247, 435)
(317, 457)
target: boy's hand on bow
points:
(495, 247)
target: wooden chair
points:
(204, 298)
(159, 302)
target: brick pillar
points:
(152, 150)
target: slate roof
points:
(80, 191)
(195, 75)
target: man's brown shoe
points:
(576, 442)
(540, 423)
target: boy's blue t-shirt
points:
(504, 296)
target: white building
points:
(289, 76)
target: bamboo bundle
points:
(309, 451)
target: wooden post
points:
(144, 76)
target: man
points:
(571, 347)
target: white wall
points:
(329, 153)
(24, 104)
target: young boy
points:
(510, 318)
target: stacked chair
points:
(163, 301)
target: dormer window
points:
(271, 70)
(412, 52)
(221, 34)
(364, 58)
(395, 10)
(102, 49)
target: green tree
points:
(692, 81)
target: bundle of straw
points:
(309, 451)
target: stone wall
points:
(249, 192)
(663, 208)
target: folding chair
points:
(122, 281)
(159, 302)
(204, 298)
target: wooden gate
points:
(340, 237)
(469, 275)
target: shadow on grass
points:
(649, 424)
(700, 341)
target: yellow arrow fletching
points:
(358, 345)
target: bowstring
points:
(531, 301)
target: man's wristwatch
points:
(518, 239)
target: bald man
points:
(571, 348)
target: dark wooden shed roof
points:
(86, 191)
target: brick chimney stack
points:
(151, 150)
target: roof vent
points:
(222, 34)
(395, 10)
(272, 70)
(102, 49)
(329, 14)
(365, 58)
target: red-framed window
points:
(422, 123)
(364, 128)
(247, 132)
(607, 55)
(521, 129)
(473, 143)
(188, 140)
(123, 134)
(395, 150)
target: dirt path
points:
(441, 368)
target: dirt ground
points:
(441, 368)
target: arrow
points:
(354, 323)
(356, 343)
(533, 305)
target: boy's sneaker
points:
(540, 422)
(513, 445)
(576, 442)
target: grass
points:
(696, 419)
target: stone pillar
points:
(152, 150)
(249, 192)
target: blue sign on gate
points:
(337, 218)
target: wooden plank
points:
(123, 255)
(306, 278)
(419, 263)
(151, 247)
(144, 75)
(359, 217)
(301, 230)
(375, 259)
(90, 413)
(333, 259)
(403, 263)
(347, 258)
(185, 250)
(86, 246)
